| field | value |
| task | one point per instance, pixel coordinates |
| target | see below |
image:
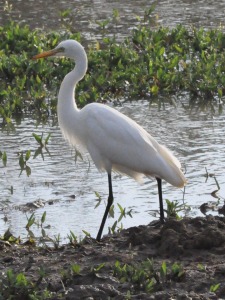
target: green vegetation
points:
(148, 63)
(146, 277)
(174, 208)
(42, 145)
(3, 157)
(17, 286)
(23, 162)
(214, 287)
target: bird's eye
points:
(61, 49)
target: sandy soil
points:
(197, 245)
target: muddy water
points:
(195, 136)
(86, 12)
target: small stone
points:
(7, 259)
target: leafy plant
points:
(163, 271)
(14, 284)
(214, 287)
(75, 269)
(42, 144)
(9, 237)
(17, 286)
(23, 162)
(173, 208)
(201, 267)
(72, 238)
(149, 62)
(39, 139)
(30, 221)
(177, 271)
(87, 234)
(99, 199)
(141, 275)
(145, 276)
(96, 269)
(117, 225)
(55, 240)
(3, 157)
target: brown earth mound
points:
(196, 245)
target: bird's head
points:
(69, 48)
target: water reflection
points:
(197, 139)
(39, 14)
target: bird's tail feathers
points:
(174, 174)
(123, 170)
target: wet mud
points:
(196, 244)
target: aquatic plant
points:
(23, 159)
(117, 225)
(72, 238)
(3, 157)
(174, 208)
(42, 144)
(151, 61)
(40, 141)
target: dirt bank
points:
(192, 252)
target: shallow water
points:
(195, 136)
(39, 14)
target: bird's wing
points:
(116, 142)
(111, 127)
(113, 138)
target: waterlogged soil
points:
(197, 244)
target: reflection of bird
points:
(114, 141)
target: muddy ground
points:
(197, 245)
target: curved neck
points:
(68, 113)
(67, 88)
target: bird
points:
(115, 142)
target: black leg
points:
(159, 181)
(110, 202)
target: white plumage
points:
(114, 141)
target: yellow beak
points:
(46, 54)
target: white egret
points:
(114, 141)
